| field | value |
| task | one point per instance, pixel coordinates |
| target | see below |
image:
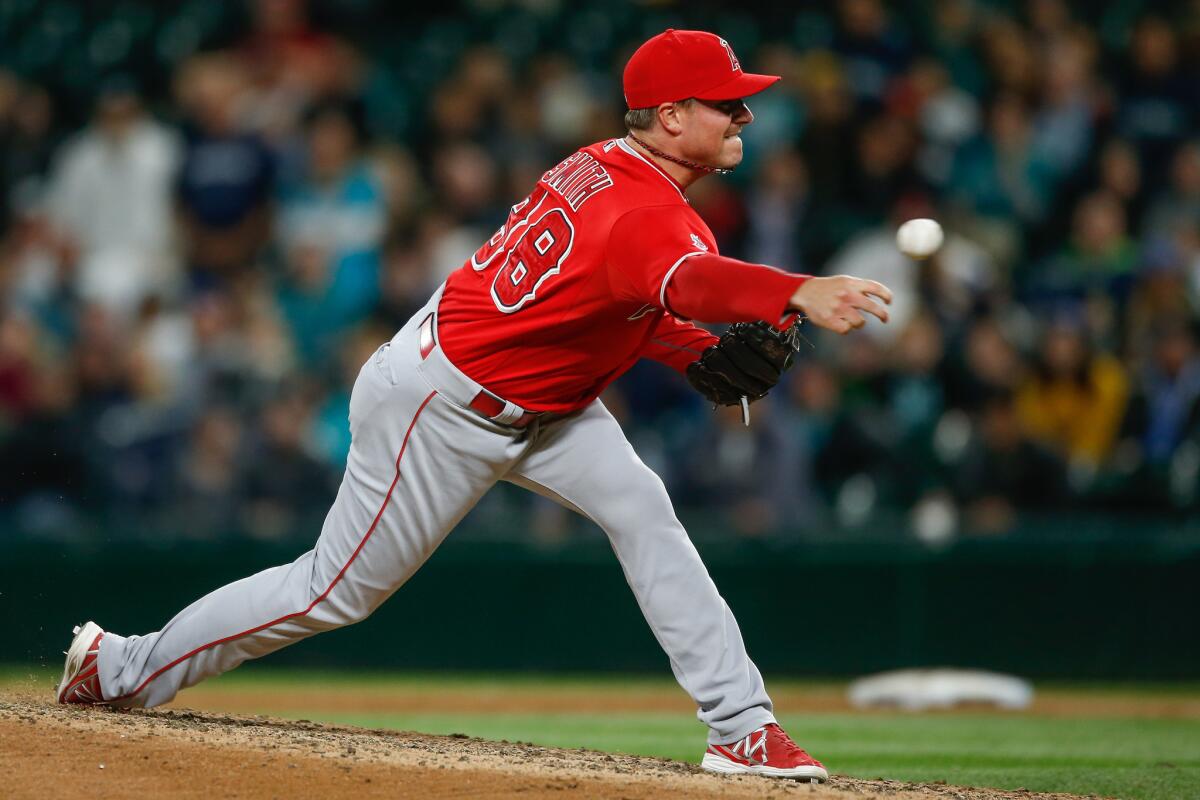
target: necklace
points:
(681, 161)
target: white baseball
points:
(919, 238)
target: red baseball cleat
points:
(81, 677)
(768, 751)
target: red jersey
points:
(541, 315)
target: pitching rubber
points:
(714, 763)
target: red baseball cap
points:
(676, 65)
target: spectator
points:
(565, 98)
(1004, 471)
(1120, 175)
(27, 142)
(1075, 399)
(242, 348)
(1063, 125)
(465, 178)
(826, 145)
(226, 180)
(1095, 266)
(1049, 20)
(1158, 98)
(947, 117)
(408, 277)
(812, 415)
(130, 425)
(1063, 161)
(297, 484)
(331, 229)
(872, 48)
(1011, 58)
(744, 474)
(1000, 179)
(110, 201)
(916, 397)
(19, 362)
(952, 39)
(1177, 208)
(915, 401)
(162, 343)
(33, 269)
(1160, 292)
(329, 435)
(290, 63)
(207, 477)
(778, 115)
(884, 171)
(1166, 405)
(44, 460)
(776, 206)
(863, 445)
(987, 365)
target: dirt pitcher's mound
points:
(48, 750)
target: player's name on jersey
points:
(578, 178)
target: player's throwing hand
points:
(837, 302)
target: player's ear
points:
(669, 117)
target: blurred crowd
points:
(200, 249)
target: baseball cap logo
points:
(733, 60)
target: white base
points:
(715, 763)
(918, 689)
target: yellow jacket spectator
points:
(1075, 401)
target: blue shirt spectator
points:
(224, 177)
(227, 177)
(332, 226)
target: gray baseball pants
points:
(420, 458)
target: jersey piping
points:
(321, 598)
(662, 290)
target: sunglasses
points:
(730, 108)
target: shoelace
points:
(790, 748)
(753, 747)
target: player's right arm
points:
(654, 257)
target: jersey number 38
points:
(527, 251)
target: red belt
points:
(485, 402)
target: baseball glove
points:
(747, 361)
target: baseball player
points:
(497, 378)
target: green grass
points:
(1135, 758)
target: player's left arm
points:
(751, 357)
(714, 288)
(676, 343)
(654, 257)
(738, 367)
(647, 248)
